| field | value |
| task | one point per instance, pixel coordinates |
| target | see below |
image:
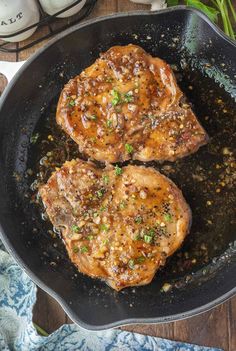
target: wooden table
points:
(214, 328)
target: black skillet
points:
(203, 273)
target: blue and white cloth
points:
(17, 333)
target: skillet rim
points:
(4, 237)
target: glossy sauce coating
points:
(118, 225)
(127, 105)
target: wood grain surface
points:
(213, 328)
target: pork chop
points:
(118, 224)
(127, 105)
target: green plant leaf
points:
(211, 12)
(172, 2)
(40, 330)
(233, 11)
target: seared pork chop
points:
(118, 225)
(128, 105)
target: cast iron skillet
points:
(203, 272)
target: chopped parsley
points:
(105, 242)
(116, 97)
(100, 193)
(135, 261)
(75, 228)
(109, 123)
(105, 179)
(151, 232)
(138, 220)
(75, 249)
(104, 227)
(140, 259)
(118, 170)
(168, 217)
(103, 208)
(119, 98)
(131, 264)
(90, 237)
(34, 138)
(72, 103)
(84, 249)
(129, 148)
(137, 237)
(93, 117)
(148, 239)
(123, 205)
(128, 97)
(148, 236)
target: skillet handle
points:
(9, 69)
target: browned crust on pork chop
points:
(118, 225)
(128, 105)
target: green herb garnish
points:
(138, 220)
(140, 259)
(83, 249)
(149, 235)
(104, 227)
(75, 249)
(93, 117)
(148, 239)
(103, 208)
(75, 228)
(100, 193)
(118, 170)
(128, 97)
(116, 97)
(71, 103)
(109, 123)
(135, 261)
(151, 232)
(105, 241)
(34, 138)
(90, 237)
(123, 205)
(129, 148)
(119, 98)
(167, 217)
(131, 264)
(138, 237)
(105, 179)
